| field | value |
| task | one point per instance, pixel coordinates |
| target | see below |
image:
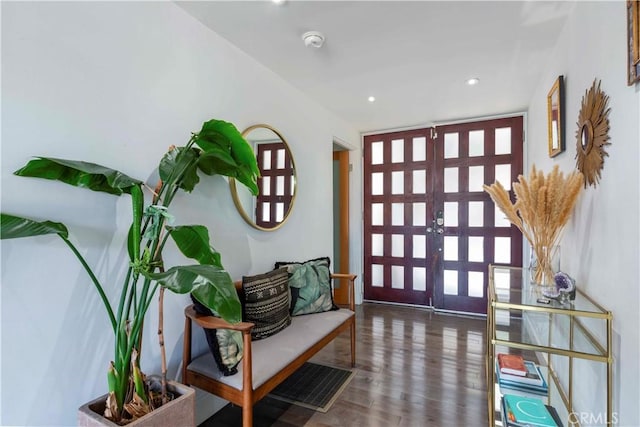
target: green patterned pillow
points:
(310, 284)
(230, 347)
(225, 344)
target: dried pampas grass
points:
(542, 209)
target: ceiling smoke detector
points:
(313, 39)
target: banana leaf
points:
(210, 285)
(193, 242)
(245, 176)
(179, 166)
(79, 174)
(14, 227)
(219, 136)
(216, 134)
(217, 161)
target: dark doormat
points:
(313, 386)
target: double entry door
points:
(430, 230)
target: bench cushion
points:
(273, 354)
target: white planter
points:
(180, 412)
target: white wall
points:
(600, 247)
(116, 84)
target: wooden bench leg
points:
(247, 415)
(247, 382)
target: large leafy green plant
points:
(217, 149)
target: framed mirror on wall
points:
(555, 117)
(592, 134)
(633, 41)
(277, 184)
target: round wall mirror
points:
(277, 182)
(585, 137)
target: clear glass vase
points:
(544, 264)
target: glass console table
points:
(559, 333)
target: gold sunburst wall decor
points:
(592, 134)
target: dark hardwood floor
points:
(414, 368)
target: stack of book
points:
(521, 411)
(515, 373)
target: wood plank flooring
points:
(414, 368)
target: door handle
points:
(438, 223)
(436, 230)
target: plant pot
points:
(179, 412)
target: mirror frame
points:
(593, 123)
(633, 42)
(555, 117)
(234, 189)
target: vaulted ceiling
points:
(414, 56)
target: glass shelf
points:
(512, 288)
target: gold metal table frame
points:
(511, 292)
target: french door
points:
(430, 229)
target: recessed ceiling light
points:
(371, 99)
(473, 81)
(278, 1)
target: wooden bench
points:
(267, 362)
